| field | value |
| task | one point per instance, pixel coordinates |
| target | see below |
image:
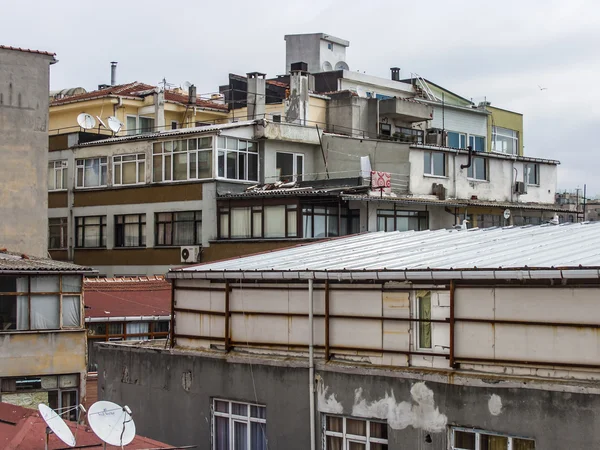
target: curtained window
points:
(469, 439)
(179, 228)
(239, 426)
(347, 433)
(424, 314)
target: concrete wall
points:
(303, 48)
(24, 82)
(271, 148)
(170, 394)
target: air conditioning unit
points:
(190, 254)
(436, 136)
(520, 187)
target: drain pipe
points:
(468, 164)
(311, 365)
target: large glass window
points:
(457, 140)
(146, 124)
(349, 433)
(129, 169)
(90, 231)
(434, 163)
(477, 143)
(505, 140)
(237, 159)
(469, 439)
(57, 175)
(399, 220)
(57, 233)
(268, 221)
(179, 228)
(290, 166)
(532, 174)
(183, 159)
(239, 426)
(130, 230)
(478, 169)
(328, 221)
(91, 172)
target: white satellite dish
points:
(86, 121)
(57, 425)
(114, 124)
(112, 423)
(101, 122)
(507, 214)
(361, 92)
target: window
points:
(239, 426)
(469, 439)
(174, 125)
(329, 46)
(478, 169)
(404, 134)
(91, 172)
(423, 307)
(477, 143)
(385, 129)
(532, 174)
(130, 230)
(183, 159)
(435, 163)
(237, 159)
(57, 175)
(327, 221)
(260, 221)
(90, 232)
(129, 169)
(36, 302)
(397, 220)
(457, 140)
(146, 124)
(348, 433)
(179, 228)
(290, 166)
(505, 140)
(57, 233)
(131, 125)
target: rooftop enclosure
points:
(516, 301)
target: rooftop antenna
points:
(57, 425)
(86, 121)
(112, 423)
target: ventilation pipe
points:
(192, 97)
(113, 73)
(395, 73)
(468, 164)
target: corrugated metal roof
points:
(169, 133)
(392, 255)
(11, 262)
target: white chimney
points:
(256, 95)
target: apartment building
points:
(447, 339)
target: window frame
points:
(478, 432)
(221, 148)
(117, 164)
(63, 227)
(514, 136)
(367, 439)
(157, 222)
(473, 139)
(399, 213)
(165, 152)
(58, 167)
(80, 228)
(536, 174)
(257, 214)
(298, 175)
(120, 237)
(421, 323)
(431, 169)
(248, 419)
(152, 129)
(80, 166)
(462, 139)
(472, 173)
(343, 213)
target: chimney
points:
(159, 110)
(296, 106)
(256, 95)
(395, 73)
(113, 73)
(192, 99)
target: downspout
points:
(311, 366)
(468, 164)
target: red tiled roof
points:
(277, 83)
(24, 429)
(135, 89)
(129, 296)
(26, 50)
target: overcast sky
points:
(500, 51)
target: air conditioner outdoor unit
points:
(436, 136)
(520, 187)
(190, 254)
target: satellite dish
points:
(507, 214)
(187, 85)
(101, 122)
(112, 423)
(86, 121)
(57, 425)
(114, 124)
(361, 92)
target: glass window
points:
(469, 439)
(400, 220)
(237, 159)
(57, 175)
(478, 169)
(477, 143)
(457, 140)
(179, 228)
(328, 221)
(424, 314)
(238, 426)
(130, 230)
(289, 166)
(185, 159)
(90, 231)
(91, 172)
(505, 140)
(271, 221)
(532, 174)
(435, 163)
(347, 433)
(57, 233)
(129, 169)
(131, 125)
(146, 124)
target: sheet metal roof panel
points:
(17, 262)
(543, 246)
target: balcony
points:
(405, 110)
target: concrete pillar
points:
(296, 106)
(256, 95)
(159, 110)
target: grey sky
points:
(500, 51)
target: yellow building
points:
(139, 107)
(505, 131)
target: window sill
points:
(90, 188)
(428, 175)
(91, 248)
(57, 190)
(158, 247)
(233, 180)
(476, 180)
(533, 185)
(58, 249)
(131, 248)
(168, 182)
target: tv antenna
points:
(57, 425)
(114, 124)
(86, 121)
(112, 423)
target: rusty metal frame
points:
(327, 316)
(227, 317)
(452, 322)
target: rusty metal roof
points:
(541, 252)
(11, 262)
